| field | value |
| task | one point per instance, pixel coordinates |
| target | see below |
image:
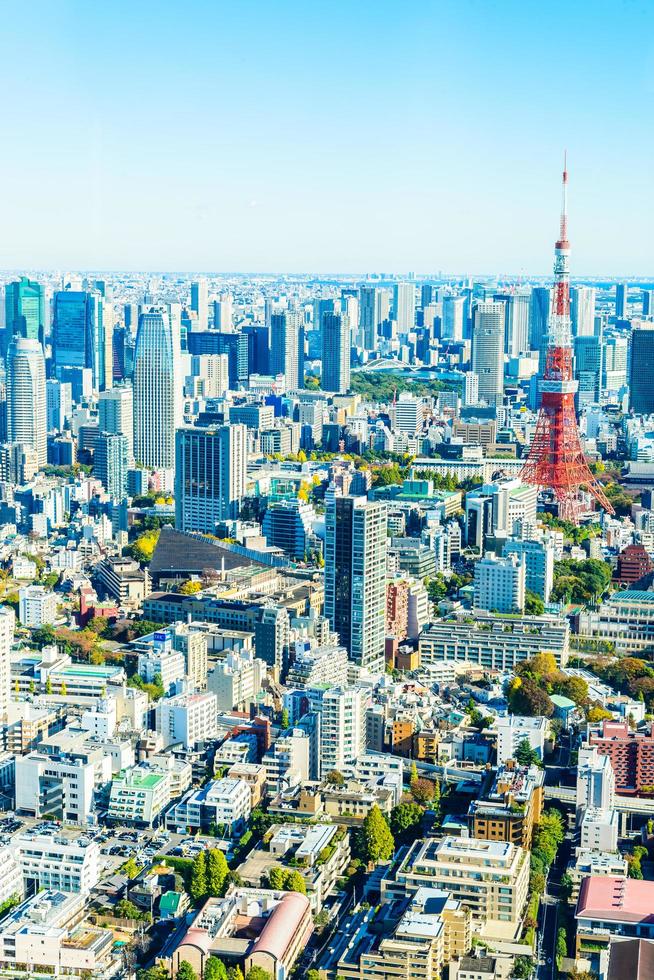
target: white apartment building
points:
(595, 780)
(100, 720)
(187, 718)
(222, 803)
(59, 863)
(408, 414)
(538, 558)
(236, 680)
(11, 879)
(500, 584)
(168, 664)
(7, 626)
(36, 606)
(599, 830)
(513, 730)
(342, 727)
(317, 664)
(54, 784)
(287, 761)
(139, 795)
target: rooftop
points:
(616, 899)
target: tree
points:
(597, 713)
(63, 690)
(522, 967)
(276, 879)
(423, 791)
(574, 688)
(527, 698)
(406, 819)
(377, 843)
(190, 588)
(525, 754)
(143, 547)
(215, 969)
(561, 944)
(48, 685)
(186, 972)
(234, 973)
(567, 885)
(534, 605)
(216, 870)
(335, 778)
(414, 773)
(295, 883)
(199, 885)
(127, 910)
(258, 973)
(285, 721)
(130, 868)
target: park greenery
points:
(580, 581)
(382, 387)
(536, 679)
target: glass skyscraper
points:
(157, 390)
(24, 311)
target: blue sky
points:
(326, 136)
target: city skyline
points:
(280, 139)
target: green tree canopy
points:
(217, 870)
(377, 843)
(186, 972)
(215, 969)
(199, 884)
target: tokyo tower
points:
(556, 459)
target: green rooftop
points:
(80, 670)
(634, 595)
(147, 781)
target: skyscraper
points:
(370, 316)
(614, 363)
(516, 328)
(452, 323)
(111, 462)
(157, 390)
(200, 303)
(404, 306)
(621, 298)
(24, 311)
(648, 302)
(641, 389)
(235, 345)
(488, 350)
(539, 314)
(223, 312)
(582, 311)
(286, 347)
(355, 576)
(59, 402)
(116, 414)
(72, 343)
(335, 352)
(26, 396)
(210, 476)
(588, 369)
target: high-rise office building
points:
(111, 462)
(200, 303)
(26, 396)
(355, 576)
(614, 363)
(235, 345)
(287, 348)
(59, 402)
(370, 316)
(582, 311)
(621, 300)
(210, 476)
(335, 352)
(588, 369)
(223, 312)
(157, 390)
(404, 306)
(116, 414)
(516, 326)
(24, 311)
(488, 350)
(83, 335)
(648, 302)
(470, 389)
(641, 389)
(539, 314)
(258, 348)
(452, 321)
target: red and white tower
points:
(556, 459)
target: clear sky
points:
(326, 135)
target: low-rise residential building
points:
(49, 860)
(58, 785)
(187, 719)
(46, 934)
(512, 730)
(37, 606)
(138, 796)
(254, 776)
(237, 680)
(631, 754)
(509, 805)
(223, 803)
(599, 829)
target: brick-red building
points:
(633, 564)
(631, 755)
